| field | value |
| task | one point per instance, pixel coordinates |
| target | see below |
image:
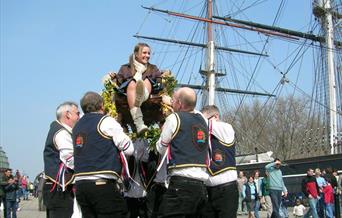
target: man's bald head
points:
(187, 99)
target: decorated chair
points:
(154, 110)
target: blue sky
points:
(53, 51)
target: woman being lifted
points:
(139, 78)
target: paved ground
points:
(29, 209)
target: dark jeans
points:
(276, 200)
(222, 201)
(337, 206)
(184, 198)
(321, 205)
(58, 204)
(100, 199)
(136, 207)
(154, 198)
(11, 208)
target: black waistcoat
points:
(94, 152)
(189, 144)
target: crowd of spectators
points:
(13, 189)
(320, 193)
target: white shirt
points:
(299, 210)
(110, 127)
(169, 128)
(63, 141)
(225, 133)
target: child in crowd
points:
(328, 192)
(250, 194)
(299, 209)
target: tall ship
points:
(279, 86)
(272, 67)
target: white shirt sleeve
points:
(168, 129)
(111, 127)
(65, 146)
(223, 131)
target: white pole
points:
(209, 94)
(211, 73)
(329, 37)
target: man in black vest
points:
(222, 187)
(184, 138)
(99, 146)
(59, 162)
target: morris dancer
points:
(99, 144)
(58, 160)
(222, 184)
(184, 138)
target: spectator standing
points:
(4, 183)
(258, 182)
(276, 186)
(328, 192)
(241, 181)
(100, 146)
(337, 193)
(20, 193)
(311, 191)
(2, 193)
(59, 162)
(24, 187)
(184, 138)
(221, 186)
(40, 186)
(250, 194)
(299, 209)
(11, 197)
(321, 183)
(265, 185)
(330, 177)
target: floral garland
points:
(153, 133)
(108, 94)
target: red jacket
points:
(310, 186)
(328, 194)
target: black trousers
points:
(154, 198)
(222, 202)
(100, 199)
(136, 207)
(58, 204)
(184, 198)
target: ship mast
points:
(210, 65)
(322, 10)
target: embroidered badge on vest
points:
(80, 140)
(218, 157)
(199, 138)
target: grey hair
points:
(64, 107)
(210, 110)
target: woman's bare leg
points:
(131, 94)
